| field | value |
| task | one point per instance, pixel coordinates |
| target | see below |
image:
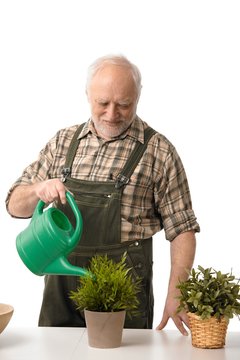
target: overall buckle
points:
(122, 180)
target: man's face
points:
(113, 100)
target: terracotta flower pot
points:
(207, 333)
(104, 328)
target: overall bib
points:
(100, 206)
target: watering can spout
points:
(62, 267)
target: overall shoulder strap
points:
(124, 176)
(66, 171)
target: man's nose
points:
(112, 111)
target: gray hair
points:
(119, 60)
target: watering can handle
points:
(79, 223)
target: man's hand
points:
(179, 319)
(24, 198)
(51, 190)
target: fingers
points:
(163, 322)
(179, 324)
(51, 190)
(62, 195)
(178, 320)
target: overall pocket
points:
(100, 206)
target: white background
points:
(188, 52)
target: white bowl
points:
(6, 312)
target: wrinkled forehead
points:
(117, 78)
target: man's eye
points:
(124, 106)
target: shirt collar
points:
(136, 130)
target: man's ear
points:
(86, 92)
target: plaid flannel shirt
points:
(157, 195)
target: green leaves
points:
(208, 292)
(111, 289)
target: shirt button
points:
(136, 243)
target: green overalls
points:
(100, 205)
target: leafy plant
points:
(208, 292)
(111, 288)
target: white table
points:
(49, 343)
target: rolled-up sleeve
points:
(173, 199)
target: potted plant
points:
(106, 298)
(210, 298)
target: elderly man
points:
(128, 182)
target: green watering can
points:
(49, 238)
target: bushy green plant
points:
(208, 292)
(111, 288)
